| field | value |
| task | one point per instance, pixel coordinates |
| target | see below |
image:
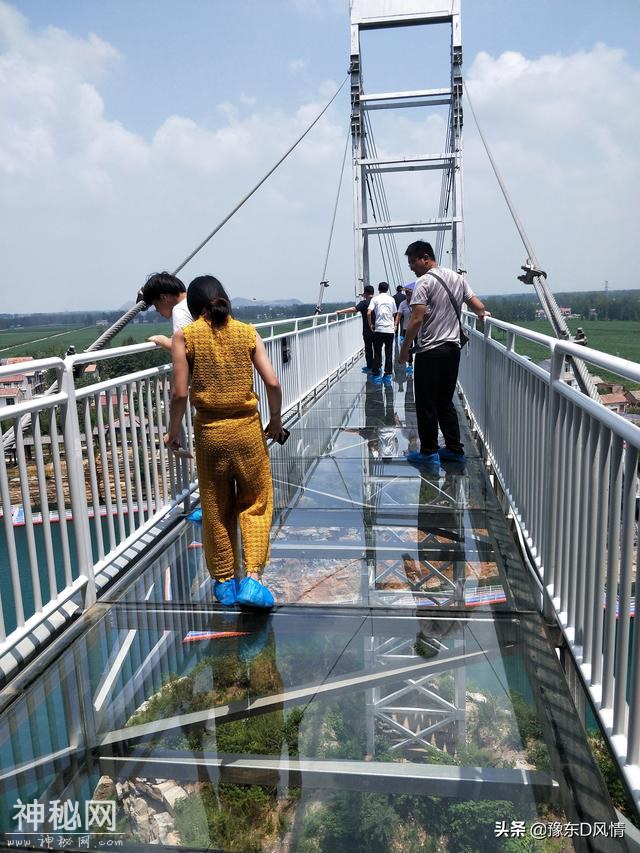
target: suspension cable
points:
(378, 196)
(107, 336)
(113, 330)
(505, 193)
(390, 239)
(262, 180)
(323, 282)
(535, 276)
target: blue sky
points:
(131, 128)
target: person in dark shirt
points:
(399, 297)
(367, 334)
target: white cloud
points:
(562, 131)
(90, 207)
(104, 206)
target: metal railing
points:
(90, 473)
(569, 469)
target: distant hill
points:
(241, 302)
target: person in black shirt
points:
(367, 335)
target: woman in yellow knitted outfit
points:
(231, 451)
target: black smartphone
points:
(285, 436)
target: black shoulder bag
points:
(464, 338)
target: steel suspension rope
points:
(534, 274)
(378, 198)
(9, 437)
(141, 305)
(323, 282)
(377, 192)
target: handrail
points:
(568, 467)
(92, 465)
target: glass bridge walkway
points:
(404, 695)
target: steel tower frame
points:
(380, 15)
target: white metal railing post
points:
(576, 511)
(297, 353)
(77, 487)
(551, 485)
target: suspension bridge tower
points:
(442, 213)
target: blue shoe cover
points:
(195, 515)
(423, 458)
(451, 456)
(225, 592)
(386, 379)
(376, 380)
(252, 593)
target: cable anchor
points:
(530, 272)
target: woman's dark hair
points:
(207, 296)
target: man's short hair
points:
(399, 288)
(159, 283)
(419, 249)
(383, 287)
(368, 288)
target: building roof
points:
(16, 359)
(9, 392)
(15, 377)
(612, 399)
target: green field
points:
(47, 341)
(616, 337)
(39, 341)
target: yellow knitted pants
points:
(235, 487)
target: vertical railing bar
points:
(582, 577)
(125, 458)
(77, 485)
(117, 482)
(28, 517)
(135, 451)
(566, 506)
(93, 478)
(613, 557)
(161, 430)
(629, 486)
(577, 454)
(633, 735)
(153, 452)
(104, 466)
(604, 474)
(60, 496)
(12, 551)
(171, 459)
(590, 596)
(145, 448)
(44, 508)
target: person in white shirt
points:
(384, 308)
(168, 295)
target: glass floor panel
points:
(187, 721)
(402, 696)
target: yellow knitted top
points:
(221, 368)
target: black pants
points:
(368, 349)
(381, 339)
(435, 377)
